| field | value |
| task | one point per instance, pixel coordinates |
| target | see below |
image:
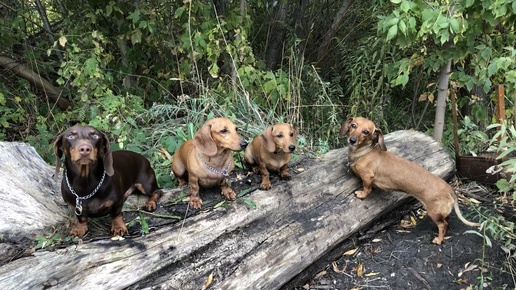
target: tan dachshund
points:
(206, 160)
(369, 159)
(271, 150)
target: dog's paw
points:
(437, 241)
(229, 194)
(118, 227)
(150, 205)
(265, 186)
(286, 176)
(256, 169)
(79, 230)
(360, 194)
(195, 202)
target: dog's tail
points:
(459, 214)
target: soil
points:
(394, 252)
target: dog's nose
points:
(291, 147)
(243, 144)
(85, 149)
(352, 139)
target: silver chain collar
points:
(224, 171)
(79, 199)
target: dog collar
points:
(349, 164)
(224, 171)
(79, 199)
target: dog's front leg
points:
(266, 182)
(195, 200)
(80, 228)
(228, 193)
(284, 172)
(367, 182)
(118, 227)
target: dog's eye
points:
(279, 135)
(223, 131)
(353, 125)
(291, 134)
(70, 136)
(95, 135)
(366, 132)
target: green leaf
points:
(393, 31)
(251, 204)
(2, 99)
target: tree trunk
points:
(24, 72)
(294, 224)
(334, 27)
(440, 111)
(274, 50)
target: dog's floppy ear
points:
(266, 137)
(345, 126)
(58, 151)
(108, 157)
(378, 136)
(204, 141)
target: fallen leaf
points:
(208, 281)
(467, 268)
(336, 267)
(360, 270)
(322, 273)
(439, 265)
(350, 252)
(301, 169)
(376, 240)
(371, 274)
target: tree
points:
(477, 36)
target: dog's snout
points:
(243, 144)
(85, 149)
(352, 139)
(291, 147)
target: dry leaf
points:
(350, 252)
(336, 268)
(322, 273)
(360, 270)
(300, 169)
(467, 268)
(376, 240)
(439, 265)
(371, 274)
(63, 40)
(208, 281)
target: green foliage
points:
(52, 240)
(476, 35)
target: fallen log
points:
(293, 224)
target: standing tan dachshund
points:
(369, 159)
(206, 160)
(271, 150)
(97, 181)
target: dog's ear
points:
(58, 151)
(295, 133)
(203, 140)
(345, 126)
(378, 136)
(108, 157)
(266, 137)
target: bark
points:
(26, 73)
(440, 109)
(332, 31)
(294, 224)
(274, 51)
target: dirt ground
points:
(394, 252)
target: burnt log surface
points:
(294, 224)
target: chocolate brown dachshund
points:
(369, 159)
(97, 181)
